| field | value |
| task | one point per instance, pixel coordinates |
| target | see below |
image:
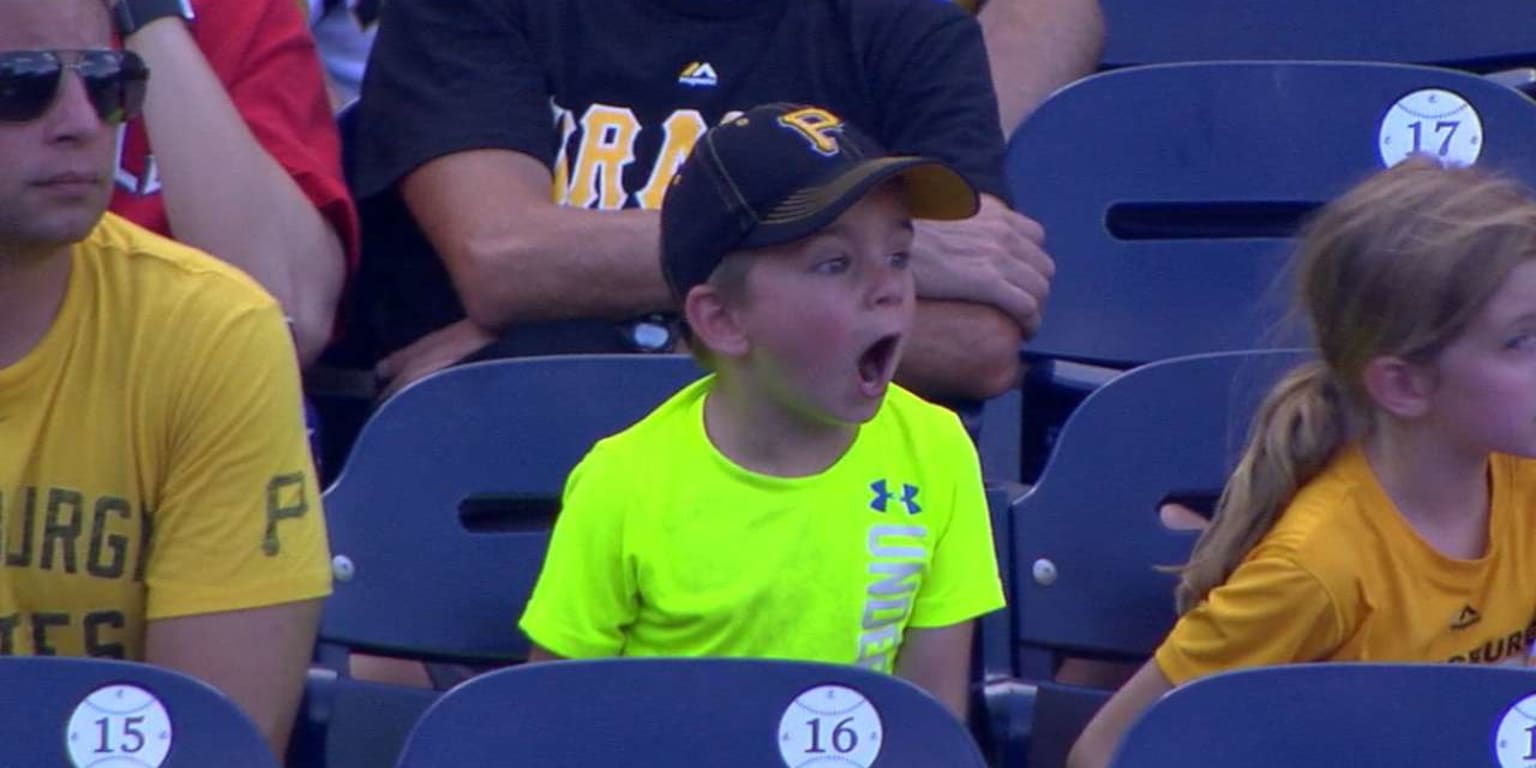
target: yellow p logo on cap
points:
(818, 126)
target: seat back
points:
(439, 523)
(669, 712)
(1397, 715)
(1470, 34)
(440, 519)
(1087, 540)
(99, 712)
(1171, 193)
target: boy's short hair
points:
(781, 172)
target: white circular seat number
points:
(1515, 740)
(1431, 122)
(828, 726)
(118, 726)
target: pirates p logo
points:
(818, 126)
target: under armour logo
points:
(884, 496)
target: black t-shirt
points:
(611, 95)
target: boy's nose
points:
(890, 286)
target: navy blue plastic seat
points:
(661, 713)
(1362, 715)
(1170, 194)
(1086, 542)
(109, 713)
(440, 520)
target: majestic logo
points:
(699, 74)
(883, 497)
(1466, 617)
(818, 126)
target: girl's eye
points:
(900, 259)
(1524, 341)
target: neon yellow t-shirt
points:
(1343, 577)
(664, 547)
(153, 460)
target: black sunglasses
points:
(30, 82)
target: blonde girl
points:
(1384, 508)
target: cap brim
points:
(933, 191)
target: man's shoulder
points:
(172, 275)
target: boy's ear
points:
(1399, 387)
(713, 322)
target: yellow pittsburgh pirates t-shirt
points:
(1343, 577)
(153, 459)
(665, 547)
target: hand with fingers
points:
(996, 257)
(429, 354)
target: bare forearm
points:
(1037, 46)
(516, 257)
(960, 350)
(258, 657)
(938, 660)
(226, 195)
(1099, 740)
(578, 263)
(951, 693)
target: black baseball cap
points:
(780, 172)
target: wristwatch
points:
(132, 15)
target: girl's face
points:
(1484, 398)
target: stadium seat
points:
(440, 519)
(1479, 35)
(1171, 194)
(1364, 715)
(661, 713)
(100, 712)
(1087, 542)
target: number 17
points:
(1443, 125)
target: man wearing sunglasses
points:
(157, 500)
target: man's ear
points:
(714, 322)
(1399, 387)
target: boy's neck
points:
(1444, 494)
(762, 436)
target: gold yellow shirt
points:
(1343, 577)
(153, 460)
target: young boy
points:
(795, 504)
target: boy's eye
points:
(1525, 341)
(900, 259)
(832, 266)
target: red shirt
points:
(261, 50)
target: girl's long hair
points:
(1399, 266)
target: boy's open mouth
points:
(877, 364)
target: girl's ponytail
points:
(1300, 425)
